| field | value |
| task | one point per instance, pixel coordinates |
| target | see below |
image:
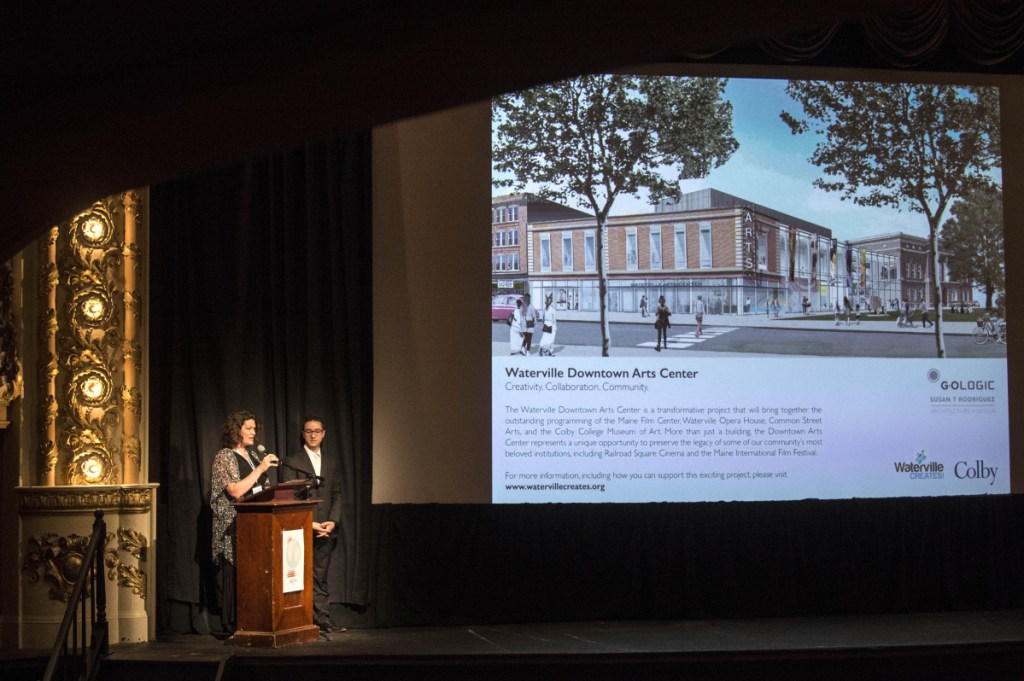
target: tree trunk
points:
(940, 341)
(602, 286)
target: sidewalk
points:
(498, 349)
(791, 321)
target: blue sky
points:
(771, 168)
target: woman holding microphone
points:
(237, 470)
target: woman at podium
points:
(238, 470)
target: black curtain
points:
(260, 277)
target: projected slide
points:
(733, 289)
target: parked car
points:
(503, 304)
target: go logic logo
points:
(920, 468)
(962, 391)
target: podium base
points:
(276, 639)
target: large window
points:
(784, 249)
(705, 244)
(589, 251)
(679, 244)
(632, 258)
(655, 240)
(545, 252)
(567, 251)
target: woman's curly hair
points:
(231, 431)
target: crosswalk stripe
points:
(681, 341)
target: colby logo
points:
(975, 471)
(920, 468)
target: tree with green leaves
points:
(594, 138)
(973, 237)
(910, 146)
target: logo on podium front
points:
(292, 556)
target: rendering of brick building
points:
(741, 257)
(915, 269)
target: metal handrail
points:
(94, 646)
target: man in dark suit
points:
(311, 463)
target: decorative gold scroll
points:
(47, 364)
(57, 560)
(11, 379)
(90, 399)
(132, 576)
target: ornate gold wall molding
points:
(88, 342)
(56, 560)
(90, 356)
(131, 350)
(133, 576)
(85, 499)
(11, 379)
(47, 363)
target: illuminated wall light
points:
(94, 387)
(92, 466)
(93, 228)
(93, 309)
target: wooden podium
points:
(274, 572)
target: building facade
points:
(741, 258)
(915, 269)
(509, 217)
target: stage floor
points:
(975, 645)
(877, 632)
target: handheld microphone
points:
(263, 452)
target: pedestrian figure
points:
(661, 323)
(515, 331)
(547, 339)
(529, 321)
(698, 309)
(643, 306)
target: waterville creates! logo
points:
(920, 468)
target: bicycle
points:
(990, 329)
